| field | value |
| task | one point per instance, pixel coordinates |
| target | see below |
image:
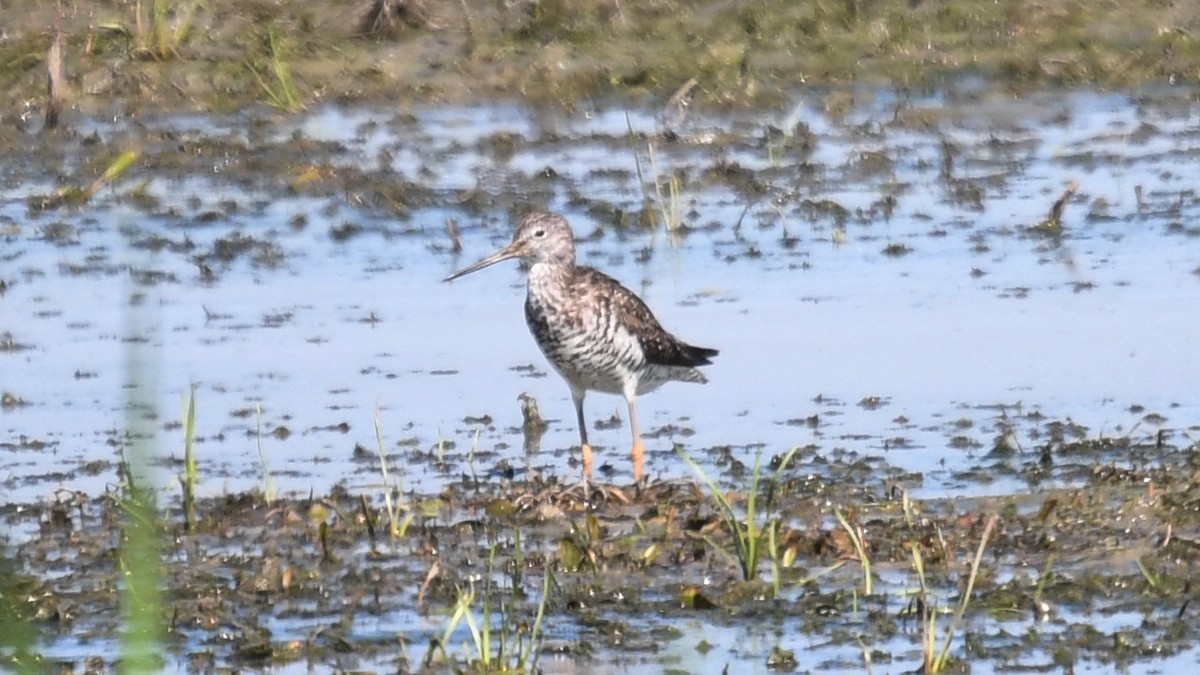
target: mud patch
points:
(645, 579)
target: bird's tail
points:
(700, 356)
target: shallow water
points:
(1081, 328)
(984, 324)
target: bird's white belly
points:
(592, 358)
(610, 366)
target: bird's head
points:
(540, 238)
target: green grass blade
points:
(141, 642)
(860, 549)
(456, 617)
(140, 558)
(773, 552)
(184, 27)
(268, 482)
(728, 515)
(1041, 584)
(162, 36)
(753, 538)
(190, 472)
(547, 580)
(394, 525)
(966, 596)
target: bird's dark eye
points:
(539, 233)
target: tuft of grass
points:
(858, 540)
(1042, 579)
(923, 608)
(670, 209)
(581, 546)
(139, 562)
(397, 527)
(281, 90)
(750, 537)
(156, 39)
(935, 660)
(666, 209)
(925, 612)
(940, 663)
(1154, 581)
(510, 647)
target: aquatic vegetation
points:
(925, 607)
(580, 547)
(510, 647)
(75, 195)
(750, 537)
(738, 54)
(280, 89)
(858, 539)
(152, 37)
(268, 482)
(18, 629)
(669, 208)
(155, 38)
(397, 526)
(189, 479)
(139, 557)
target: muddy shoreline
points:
(260, 584)
(134, 59)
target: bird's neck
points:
(550, 278)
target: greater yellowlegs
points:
(595, 332)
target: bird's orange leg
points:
(587, 462)
(638, 452)
(585, 448)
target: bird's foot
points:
(594, 493)
(640, 483)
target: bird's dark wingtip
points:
(701, 356)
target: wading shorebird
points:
(595, 332)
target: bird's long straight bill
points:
(503, 254)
